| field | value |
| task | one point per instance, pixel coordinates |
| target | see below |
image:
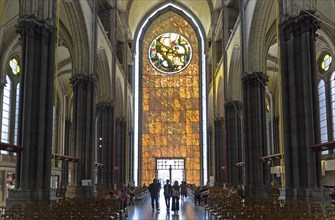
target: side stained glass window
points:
(17, 105)
(6, 112)
(10, 104)
(332, 94)
(323, 113)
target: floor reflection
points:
(187, 211)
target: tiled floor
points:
(187, 211)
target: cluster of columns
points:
(247, 141)
(254, 128)
(82, 134)
(34, 164)
(36, 111)
(300, 113)
(233, 113)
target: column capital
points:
(219, 119)
(120, 119)
(233, 103)
(304, 22)
(258, 76)
(32, 26)
(105, 104)
(82, 79)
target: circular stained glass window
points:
(170, 53)
(14, 65)
(327, 60)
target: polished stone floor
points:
(187, 211)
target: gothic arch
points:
(103, 77)
(201, 8)
(272, 66)
(234, 84)
(219, 110)
(169, 7)
(64, 72)
(199, 172)
(119, 98)
(324, 43)
(78, 23)
(256, 34)
(10, 40)
(13, 49)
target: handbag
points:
(175, 193)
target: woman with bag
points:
(175, 197)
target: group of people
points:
(201, 193)
(174, 191)
(125, 195)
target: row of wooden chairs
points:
(223, 205)
(65, 209)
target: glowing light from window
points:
(170, 53)
(323, 114)
(15, 66)
(203, 94)
(327, 60)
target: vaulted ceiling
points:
(137, 10)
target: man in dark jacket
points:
(167, 194)
(154, 189)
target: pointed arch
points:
(200, 35)
(78, 23)
(219, 111)
(234, 76)
(103, 77)
(119, 98)
(256, 34)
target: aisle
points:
(187, 211)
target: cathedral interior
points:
(98, 93)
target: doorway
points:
(174, 167)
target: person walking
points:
(167, 194)
(175, 197)
(183, 190)
(197, 196)
(154, 189)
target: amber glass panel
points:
(170, 105)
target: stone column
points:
(120, 161)
(65, 164)
(300, 113)
(220, 152)
(36, 111)
(124, 157)
(233, 114)
(82, 136)
(131, 154)
(210, 153)
(105, 131)
(254, 124)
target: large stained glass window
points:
(170, 103)
(170, 53)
